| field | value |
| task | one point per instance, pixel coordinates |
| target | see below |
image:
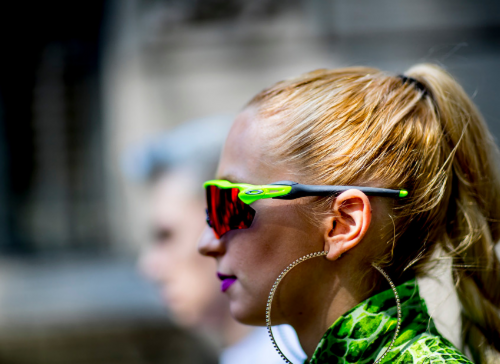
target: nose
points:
(209, 245)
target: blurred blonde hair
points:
(361, 126)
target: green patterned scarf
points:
(363, 333)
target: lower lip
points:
(226, 283)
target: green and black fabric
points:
(364, 333)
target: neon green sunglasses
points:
(228, 204)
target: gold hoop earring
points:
(303, 259)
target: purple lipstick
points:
(227, 281)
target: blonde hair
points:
(361, 126)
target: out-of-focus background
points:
(83, 81)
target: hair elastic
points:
(418, 85)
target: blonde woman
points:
(335, 191)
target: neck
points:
(330, 299)
(311, 332)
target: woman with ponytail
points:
(335, 191)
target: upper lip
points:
(224, 276)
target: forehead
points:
(247, 154)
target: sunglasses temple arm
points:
(299, 190)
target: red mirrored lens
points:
(226, 211)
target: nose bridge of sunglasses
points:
(254, 193)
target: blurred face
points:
(187, 281)
(254, 257)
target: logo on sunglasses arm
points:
(254, 192)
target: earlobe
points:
(348, 224)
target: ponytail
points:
(471, 225)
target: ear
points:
(348, 223)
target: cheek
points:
(284, 234)
(259, 254)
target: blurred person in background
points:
(175, 165)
